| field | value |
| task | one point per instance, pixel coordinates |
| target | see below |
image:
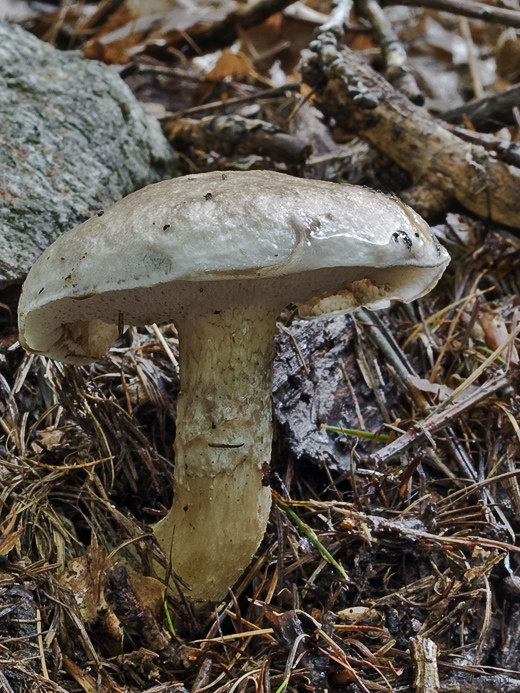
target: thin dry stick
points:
(454, 324)
(394, 53)
(486, 622)
(234, 101)
(450, 409)
(166, 347)
(440, 419)
(457, 496)
(476, 374)
(41, 650)
(472, 58)
(380, 524)
(467, 8)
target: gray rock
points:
(73, 140)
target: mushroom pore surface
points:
(221, 254)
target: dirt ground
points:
(390, 560)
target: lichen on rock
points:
(73, 140)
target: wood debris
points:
(391, 559)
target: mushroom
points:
(221, 254)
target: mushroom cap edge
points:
(263, 225)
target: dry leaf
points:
(231, 65)
(9, 542)
(112, 627)
(128, 32)
(508, 57)
(85, 576)
(496, 332)
(440, 392)
(148, 589)
(50, 437)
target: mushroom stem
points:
(222, 447)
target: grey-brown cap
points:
(161, 250)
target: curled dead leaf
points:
(231, 65)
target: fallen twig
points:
(488, 113)
(509, 152)
(425, 653)
(467, 8)
(231, 134)
(440, 420)
(234, 101)
(480, 684)
(394, 53)
(361, 100)
(381, 526)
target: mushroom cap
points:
(171, 246)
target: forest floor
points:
(396, 571)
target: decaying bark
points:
(137, 616)
(441, 165)
(425, 653)
(490, 112)
(228, 134)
